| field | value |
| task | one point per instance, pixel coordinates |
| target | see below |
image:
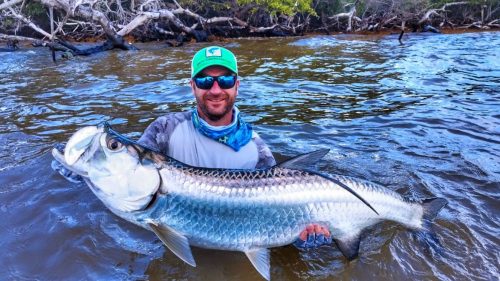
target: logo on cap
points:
(213, 52)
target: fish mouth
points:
(80, 143)
(76, 148)
(58, 154)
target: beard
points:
(212, 115)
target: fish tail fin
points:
(432, 206)
(426, 236)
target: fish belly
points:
(231, 227)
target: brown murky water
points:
(421, 118)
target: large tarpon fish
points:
(236, 210)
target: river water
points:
(422, 119)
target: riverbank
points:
(187, 21)
(27, 43)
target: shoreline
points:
(28, 41)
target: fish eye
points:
(114, 145)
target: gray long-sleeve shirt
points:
(175, 135)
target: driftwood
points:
(18, 38)
(157, 19)
(437, 12)
(349, 15)
(8, 4)
(106, 46)
(29, 23)
(115, 38)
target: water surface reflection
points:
(420, 118)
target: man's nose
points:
(216, 88)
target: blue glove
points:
(316, 236)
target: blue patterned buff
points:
(235, 135)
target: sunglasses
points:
(224, 81)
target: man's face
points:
(215, 104)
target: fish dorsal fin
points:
(175, 241)
(260, 259)
(349, 246)
(304, 161)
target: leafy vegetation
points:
(203, 19)
(34, 9)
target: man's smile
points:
(217, 99)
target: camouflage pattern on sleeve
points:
(157, 134)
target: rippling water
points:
(422, 118)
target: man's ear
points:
(191, 83)
(237, 86)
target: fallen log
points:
(431, 12)
(106, 46)
(17, 37)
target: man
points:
(214, 135)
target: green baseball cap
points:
(213, 55)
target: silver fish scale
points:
(234, 228)
(243, 210)
(242, 178)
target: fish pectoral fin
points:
(304, 161)
(349, 246)
(176, 242)
(261, 260)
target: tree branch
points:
(348, 15)
(30, 23)
(9, 4)
(431, 12)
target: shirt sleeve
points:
(157, 134)
(266, 158)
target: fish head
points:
(121, 172)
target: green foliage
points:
(332, 7)
(285, 7)
(34, 9)
(412, 6)
(361, 7)
(205, 5)
(7, 23)
(399, 8)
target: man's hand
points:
(313, 236)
